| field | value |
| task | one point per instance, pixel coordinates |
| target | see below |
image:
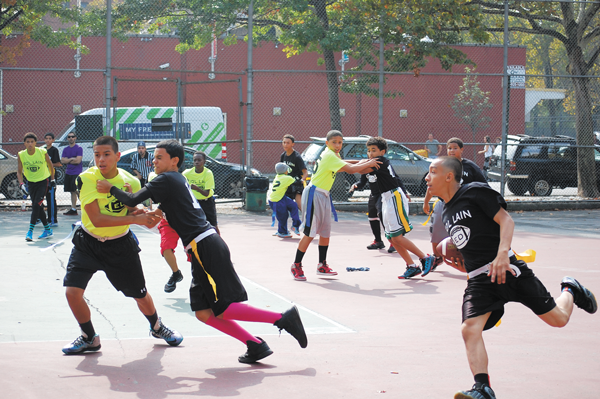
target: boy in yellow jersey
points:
(202, 183)
(317, 205)
(103, 242)
(36, 165)
(281, 204)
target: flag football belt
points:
(486, 268)
(311, 194)
(103, 239)
(201, 237)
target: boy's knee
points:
(203, 315)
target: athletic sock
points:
(299, 256)
(231, 328)
(323, 253)
(88, 329)
(31, 226)
(376, 229)
(153, 319)
(47, 227)
(245, 312)
(569, 290)
(483, 378)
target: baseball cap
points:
(280, 168)
(141, 144)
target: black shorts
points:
(70, 183)
(215, 261)
(295, 188)
(37, 191)
(482, 296)
(118, 259)
(210, 209)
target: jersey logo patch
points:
(460, 235)
(115, 206)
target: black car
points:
(411, 168)
(229, 177)
(538, 164)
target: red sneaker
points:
(297, 272)
(324, 270)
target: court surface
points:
(370, 334)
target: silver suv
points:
(411, 168)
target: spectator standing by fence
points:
(54, 156)
(141, 163)
(488, 150)
(72, 156)
(433, 147)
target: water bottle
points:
(23, 206)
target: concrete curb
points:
(416, 207)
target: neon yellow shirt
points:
(35, 167)
(326, 168)
(151, 176)
(107, 203)
(280, 184)
(204, 181)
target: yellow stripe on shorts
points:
(194, 247)
(403, 219)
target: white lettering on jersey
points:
(194, 201)
(460, 215)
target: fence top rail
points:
(176, 70)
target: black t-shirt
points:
(295, 162)
(471, 172)
(386, 176)
(177, 201)
(469, 219)
(372, 180)
(53, 154)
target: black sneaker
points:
(391, 249)
(255, 352)
(479, 391)
(173, 280)
(70, 212)
(438, 261)
(290, 322)
(376, 245)
(583, 297)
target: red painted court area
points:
(370, 334)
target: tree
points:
(575, 25)
(470, 104)
(31, 18)
(414, 31)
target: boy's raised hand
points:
(103, 186)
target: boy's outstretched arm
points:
(361, 167)
(105, 187)
(100, 220)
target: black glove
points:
(52, 184)
(24, 189)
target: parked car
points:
(229, 179)
(411, 168)
(9, 184)
(539, 164)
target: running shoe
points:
(297, 272)
(290, 322)
(323, 269)
(71, 212)
(81, 344)
(173, 280)
(295, 230)
(255, 352)
(479, 391)
(427, 263)
(46, 234)
(376, 245)
(438, 261)
(583, 297)
(171, 336)
(29, 235)
(53, 224)
(391, 249)
(278, 234)
(411, 271)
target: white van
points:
(134, 124)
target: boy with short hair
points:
(293, 159)
(281, 204)
(202, 183)
(35, 164)
(470, 173)
(394, 211)
(51, 194)
(475, 217)
(216, 292)
(317, 205)
(103, 242)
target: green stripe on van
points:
(152, 113)
(168, 113)
(120, 113)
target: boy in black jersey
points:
(471, 173)
(476, 219)
(394, 210)
(216, 291)
(292, 158)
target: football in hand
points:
(448, 250)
